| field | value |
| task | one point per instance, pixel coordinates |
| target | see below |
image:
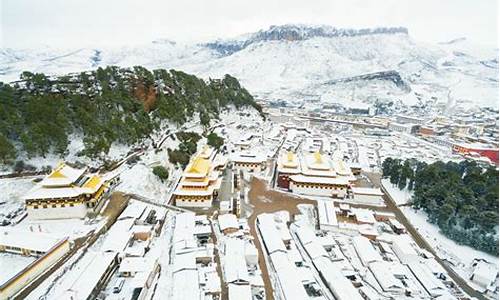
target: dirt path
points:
(264, 200)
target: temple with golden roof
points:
(199, 184)
(288, 165)
(66, 192)
(313, 174)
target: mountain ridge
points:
(289, 61)
(295, 32)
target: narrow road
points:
(421, 242)
(265, 200)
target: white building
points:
(365, 250)
(66, 193)
(484, 274)
(250, 162)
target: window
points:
(54, 205)
(71, 204)
(45, 206)
(35, 206)
(62, 205)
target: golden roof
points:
(93, 182)
(56, 173)
(317, 157)
(199, 165)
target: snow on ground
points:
(440, 242)
(140, 180)
(462, 255)
(399, 196)
(12, 190)
(15, 264)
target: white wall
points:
(316, 191)
(77, 211)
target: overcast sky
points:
(75, 23)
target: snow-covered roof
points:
(402, 245)
(340, 286)
(92, 267)
(382, 270)
(184, 227)
(364, 215)
(365, 250)
(431, 284)
(248, 158)
(239, 292)
(186, 285)
(34, 241)
(228, 221)
(320, 180)
(327, 215)
(315, 250)
(288, 277)
(136, 264)
(62, 175)
(53, 188)
(134, 210)
(184, 261)
(270, 234)
(118, 236)
(235, 268)
(341, 168)
(485, 272)
(367, 191)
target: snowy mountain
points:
(298, 63)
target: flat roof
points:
(186, 285)
(235, 267)
(327, 215)
(364, 215)
(136, 264)
(239, 292)
(288, 277)
(228, 221)
(270, 234)
(79, 282)
(34, 241)
(365, 250)
(367, 191)
(383, 272)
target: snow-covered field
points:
(12, 190)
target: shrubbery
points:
(161, 172)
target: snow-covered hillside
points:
(299, 63)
